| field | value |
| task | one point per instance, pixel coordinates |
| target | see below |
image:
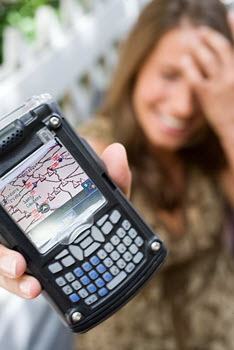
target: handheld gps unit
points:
(80, 236)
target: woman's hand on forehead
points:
(209, 69)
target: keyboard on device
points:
(101, 267)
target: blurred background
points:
(62, 47)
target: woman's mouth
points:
(173, 123)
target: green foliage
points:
(20, 13)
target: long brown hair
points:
(158, 17)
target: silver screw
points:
(55, 121)
(155, 246)
(76, 316)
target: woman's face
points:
(163, 101)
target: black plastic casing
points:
(13, 237)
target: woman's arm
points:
(210, 71)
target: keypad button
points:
(126, 225)
(68, 261)
(108, 247)
(115, 255)
(108, 262)
(78, 272)
(102, 254)
(121, 232)
(137, 258)
(69, 277)
(115, 240)
(87, 266)
(115, 216)
(94, 260)
(85, 280)
(83, 293)
(121, 263)
(84, 244)
(91, 249)
(74, 298)
(130, 267)
(54, 268)
(67, 290)
(139, 241)
(114, 270)
(99, 282)
(77, 252)
(116, 280)
(102, 220)
(127, 241)
(97, 234)
(107, 276)
(93, 274)
(132, 233)
(101, 268)
(107, 227)
(127, 256)
(76, 285)
(82, 236)
(121, 248)
(102, 292)
(133, 249)
(92, 288)
(91, 299)
(61, 255)
(60, 281)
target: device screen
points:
(49, 194)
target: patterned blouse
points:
(189, 304)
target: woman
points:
(173, 87)
(171, 104)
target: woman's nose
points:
(183, 102)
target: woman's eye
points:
(170, 75)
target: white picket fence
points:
(229, 3)
(72, 58)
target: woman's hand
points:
(210, 71)
(13, 265)
(115, 159)
(13, 277)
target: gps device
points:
(81, 238)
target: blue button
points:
(87, 266)
(93, 274)
(85, 280)
(74, 298)
(79, 272)
(94, 260)
(91, 288)
(101, 268)
(103, 292)
(100, 283)
(107, 276)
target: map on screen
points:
(43, 183)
